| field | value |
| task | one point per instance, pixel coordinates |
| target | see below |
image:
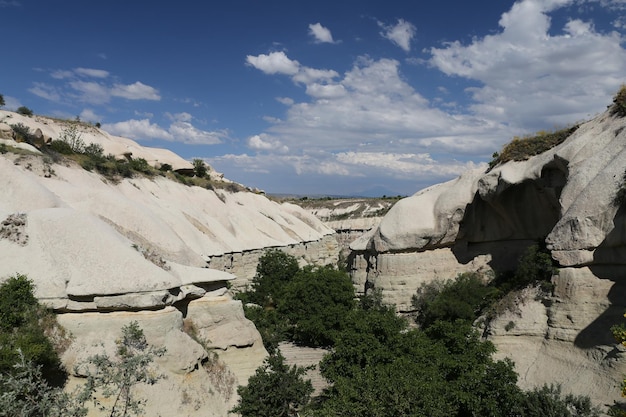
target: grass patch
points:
(522, 148)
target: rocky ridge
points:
(103, 252)
(483, 220)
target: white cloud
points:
(264, 142)
(135, 91)
(180, 130)
(138, 129)
(402, 33)
(308, 75)
(185, 132)
(45, 91)
(531, 74)
(90, 116)
(90, 72)
(320, 33)
(9, 3)
(91, 92)
(285, 100)
(325, 91)
(11, 103)
(274, 63)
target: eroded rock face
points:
(103, 253)
(564, 197)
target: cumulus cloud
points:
(138, 129)
(90, 115)
(534, 74)
(274, 63)
(180, 130)
(402, 33)
(320, 33)
(135, 91)
(264, 142)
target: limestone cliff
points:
(105, 251)
(483, 220)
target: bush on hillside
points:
(619, 102)
(522, 148)
(2, 103)
(24, 111)
(23, 327)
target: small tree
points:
(199, 168)
(24, 392)
(275, 390)
(2, 103)
(24, 111)
(117, 377)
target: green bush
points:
(2, 103)
(619, 102)
(21, 330)
(61, 147)
(274, 390)
(199, 168)
(273, 272)
(24, 111)
(462, 298)
(316, 303)
(522, 148)
(22, 133)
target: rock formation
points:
(103, 252)
(484, 219)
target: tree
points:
(2, 103)
(462, 298)
(25, 111)
(21, 319)
(275, 390)
(199, 168)
(316, 303)
(117, 377)
(273, 272)
(25, 392)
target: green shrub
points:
(199, 168)
(619, 102)
(463, 298)
(275, 389)
(22, 330)
(72, 137)
(1, 100)
(548, 401)
(316, 303)
(165, 167)
(522, 148)
(61, 147)
(22, 133)
(24, 111)
(141, 165)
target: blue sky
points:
(320, 97)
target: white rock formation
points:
(484, 220)
(104, 252)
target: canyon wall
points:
(105, 251)
(564, 199)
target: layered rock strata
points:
(103, 252)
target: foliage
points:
(534, 266)
(273, 272)
(386, 370)
(462, 298)
(61, 147)
(117, 376)
(22, 133)
(274, 390)
(199, 168)
(25, 392)
(620, 196)
(24, 111)
(2, 103)
(21, 330)
(316, 302)
(165, 167)
(72, 137)
(548, 401)
(271, 325)
(522, 148)
(619, 102)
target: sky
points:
(318, 98)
